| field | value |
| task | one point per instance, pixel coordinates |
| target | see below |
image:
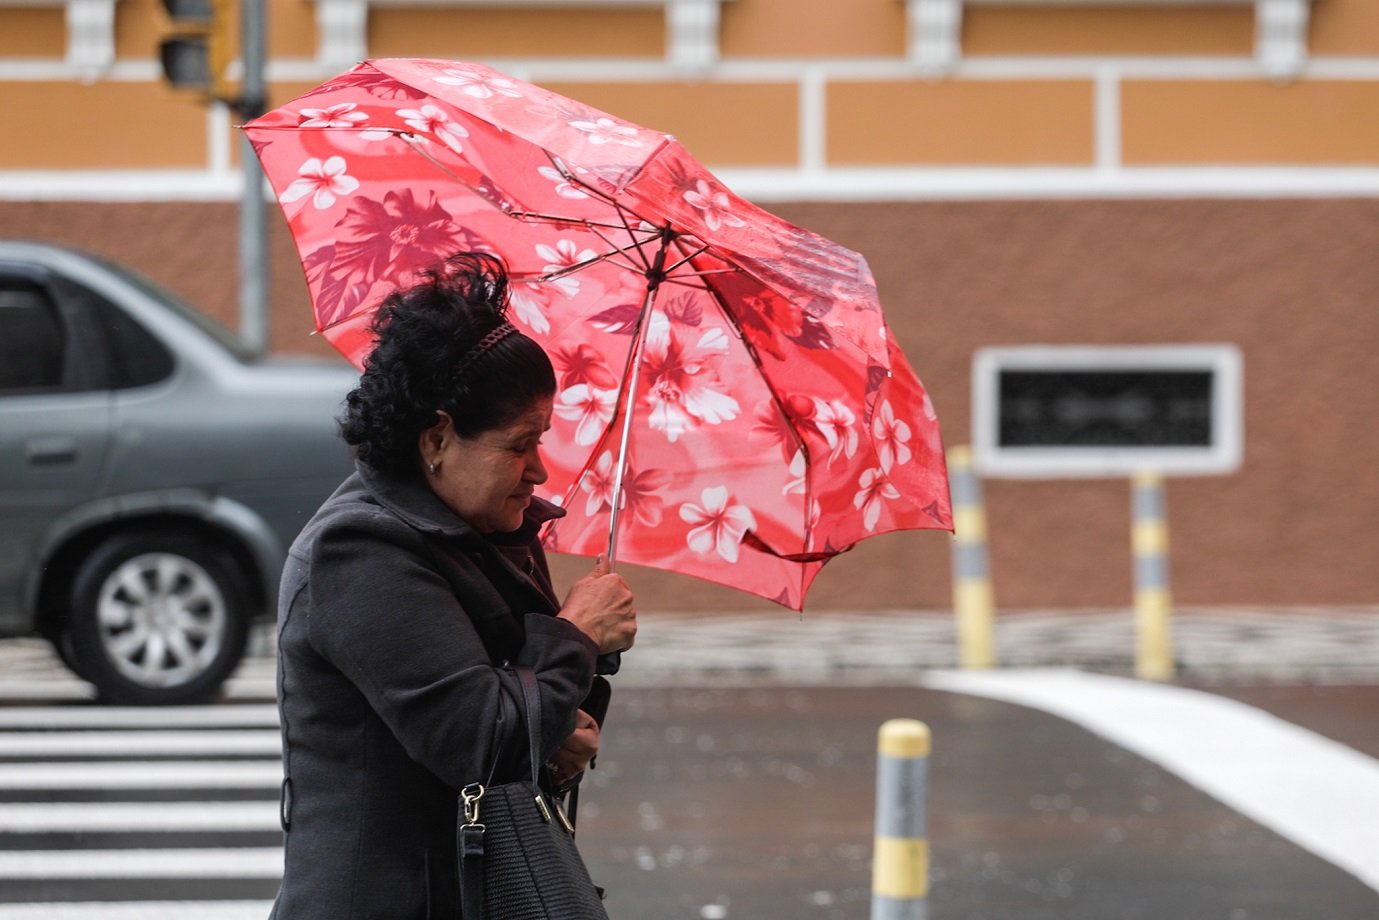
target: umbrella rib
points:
(747, 346)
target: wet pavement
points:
(757, 802)
(737, 778)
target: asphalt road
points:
(716, 798)
(758, 803)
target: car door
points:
(55, 423)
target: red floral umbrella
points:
(729, 375)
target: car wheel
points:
(157, 618)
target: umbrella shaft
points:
(629, 405)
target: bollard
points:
(973, 604)
(1153, 601)
(900, 861)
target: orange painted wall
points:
(1187, 122)
(973, 122)
(102, 125)
(812, 28)
(1079, 30)
(501, 32)
(32, 33)
(745, 124)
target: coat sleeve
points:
(383, 615)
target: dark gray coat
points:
(392, 617)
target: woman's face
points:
(488, 479)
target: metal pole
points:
(973, 603)
(1153, 601)
(253, 214)
(900, 863)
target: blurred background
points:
(1114, 237)
(1125, 172)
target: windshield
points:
(226, 337)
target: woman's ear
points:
(431, 443)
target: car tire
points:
(157, 618)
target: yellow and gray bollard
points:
(1153, 600)
(900, 862)
(973, 602)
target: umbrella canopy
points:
(728, 375)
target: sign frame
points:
(1222, 455)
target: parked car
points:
(152, 474)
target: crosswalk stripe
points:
(208, 863)
(138, 910)
(116, 717)
(50, 817)
(153, 774)
(145, 743)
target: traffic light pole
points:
(253, 223)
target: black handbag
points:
(517, 852)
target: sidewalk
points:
(1212, 645)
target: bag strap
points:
(531, 698)
(469, 834)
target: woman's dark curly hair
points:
(424, 336)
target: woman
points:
(414, 582)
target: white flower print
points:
(873, 489)
(478, 86)
(563, 187)
(590, 408)
(341, 115)
(715, 525)
(891, 437)
(714, 204)
(681, 385)
(322, 181)
(798, 468)
(432, 120)
(529, 308)
(608, 131)
(837, 423)
(598, 485)
(563, 255)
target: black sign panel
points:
(1104, 408)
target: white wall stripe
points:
(137, 743)
(763, 185)
(154, 774)
(1106, 120)
(50, 717)
(1318, 793)
(138, 910)
(813, 120)
(773, 69)
(133, 817)
(219, 862)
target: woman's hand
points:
(574, 755)
(600, 604)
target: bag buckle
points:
(471, 795)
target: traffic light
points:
(197, 49)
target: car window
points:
(228, 339)
(135, 357)
(33, 340)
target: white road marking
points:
(138, 910)
(221, 862)
(1316, 792)
(137, 743)
(137, 774)
(114, 717)
(132, 817)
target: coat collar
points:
(414, 502)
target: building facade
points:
(1117, 172)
